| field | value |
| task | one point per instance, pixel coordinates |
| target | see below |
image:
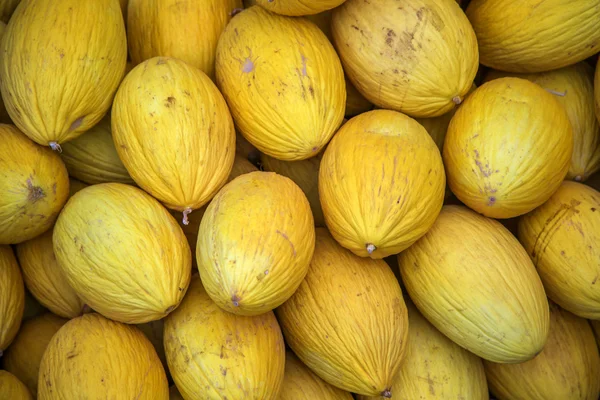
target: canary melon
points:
(7, 7)
(508, 148)
(12, 388)
(568, 367)
(167, 104)
(296, 8)
(122, 252)
(419, 58)
(361, 294)
(273, 70)
(34, 184)
(61, 65)
(12, 297)
(214, 354)
(94, 357)
(397, 185)
(534, 35)
(25, 353)
(474, 282)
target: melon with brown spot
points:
(12, 297)
(12, 388)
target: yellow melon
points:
(397, 185)
(122, 253)
(167, 104)
(568, 367)
(419, 58)
(7, 7)
(61, 65)
(534, 35)
(94, 357)
(283, 82)
(34, 184)
(296, 8)
(12, 388)
(343, 290)
(508, 148)
(12, 297)
(214, 354)
(25, 353)
(473, 281)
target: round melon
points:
(508, 148)
(568, 368)
(12, 297)
(94, 357)
(7, 8)
(534, 35)
(122, 252)
(561, 237)
(419, 58)
(61, 65)
(12, 388)
(474, 282)
(381, 183)
(25, 353)
(214, 354)
(347, 321)
(283, 82)
(34, 184)
(173, 132)
(296, 8)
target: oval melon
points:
(296, 8)
(214, 354)
(122, 253)
(12, 388)
(396, 189)
(34, 184)
(12, 297)
(61, 65)
(473, 281)
(94, 357)
(347, 321)
(283, 82)
(508, 148)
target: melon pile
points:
(299, 199)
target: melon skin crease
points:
(474, 282)
(419, 57)
(12, 297)
(507, 148)
(91, 357)
(122, 252)
(12, 388)
(381, 183)
(534, 35)
(255, 243)
(283, 82)
(347, 321)
(61, 65)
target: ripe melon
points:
(508, 148)
(12, 297)
(568, 367)
(347, 321)
(296, 8)
(283, 82)
(7, 8)
(61, 65)
(34, 184)
(474, 282)
(381, 183)
(534, 35)
(214, 354)
(173, 132)
(24, 355)
(122, 253)
(12, 388)
(94, 357)
(419, 57)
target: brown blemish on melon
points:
(304, 59)
(171, 308)
(35, 192)
(76, 124)
(288, 240)
(248, 66)
(491, 201)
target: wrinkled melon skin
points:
(347, 321)
(255, 243)
(92, 357)
(24, 355)
(561, 237)
(567, 369)
(12, 297)
(534, 35)
(283, 82)
(12, 388)
(174, 133)
(214, 354)
(34, 183)
(419, 58)
(122, 252)
(473, 281)
(297, 8)
(61, 65)
(381, 183)
(507, 148)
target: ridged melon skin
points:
(12, 388)
(12, 297)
